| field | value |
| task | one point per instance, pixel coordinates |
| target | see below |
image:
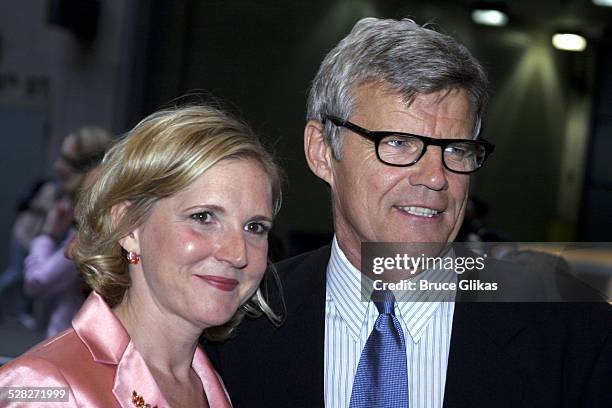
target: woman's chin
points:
(216, 318)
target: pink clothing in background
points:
(97, 362)
(52, 279)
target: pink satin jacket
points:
(99, 365)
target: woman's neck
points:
(166, 342)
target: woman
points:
(173, 241)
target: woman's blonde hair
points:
(162, 155)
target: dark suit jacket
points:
(501, 354)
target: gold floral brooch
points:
(139, 402)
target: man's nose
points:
(232, 249)
(429, 171)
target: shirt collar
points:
(344, 290)
(417, 314)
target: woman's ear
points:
(130, 242)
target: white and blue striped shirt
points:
(349, 321)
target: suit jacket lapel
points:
(305, 327)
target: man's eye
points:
(203, 217)
(396, 142)
(257, 228)
(402, 142)
(458, 151)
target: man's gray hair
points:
(403, 57)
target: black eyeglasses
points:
(405, 149)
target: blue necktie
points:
(382, 374)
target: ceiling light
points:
(605, 3)
(569, 42)
(490, 17)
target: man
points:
(409, 184)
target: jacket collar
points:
(101, 331)
(109, 343)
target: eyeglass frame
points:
(377, 136)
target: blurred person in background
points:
(50, 278)
(173, 241)
(31, 214)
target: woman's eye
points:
(257, 228)
(203, 217)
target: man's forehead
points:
(440, 103)
(364, 93)
(378, 101)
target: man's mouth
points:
(420, 211)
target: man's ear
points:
(318, 152)
(130, 242)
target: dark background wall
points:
(260, 57)
(597, 193)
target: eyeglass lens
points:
(404, 150)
